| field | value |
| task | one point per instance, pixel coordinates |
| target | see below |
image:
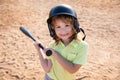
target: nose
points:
(63, 30)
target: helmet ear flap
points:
(52, 32)
(76, 25)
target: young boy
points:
(69, 52)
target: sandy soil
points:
(99, 18)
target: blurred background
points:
(99, 18)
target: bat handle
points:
(48, 52)
(41, 46)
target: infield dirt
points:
(99, 18)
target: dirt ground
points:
(99, 18)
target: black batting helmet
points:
(62, 9)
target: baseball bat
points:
(27, 33)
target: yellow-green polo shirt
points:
(75, 52)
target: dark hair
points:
(66, 19)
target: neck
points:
(66, 42)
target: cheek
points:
(71, 30)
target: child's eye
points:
(67, 25)
(57, 26)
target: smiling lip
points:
(64, 34)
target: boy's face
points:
(63, 30)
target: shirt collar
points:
(73, 43)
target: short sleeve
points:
(82, 54)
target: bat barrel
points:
(26, 32)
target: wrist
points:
(39, 54)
